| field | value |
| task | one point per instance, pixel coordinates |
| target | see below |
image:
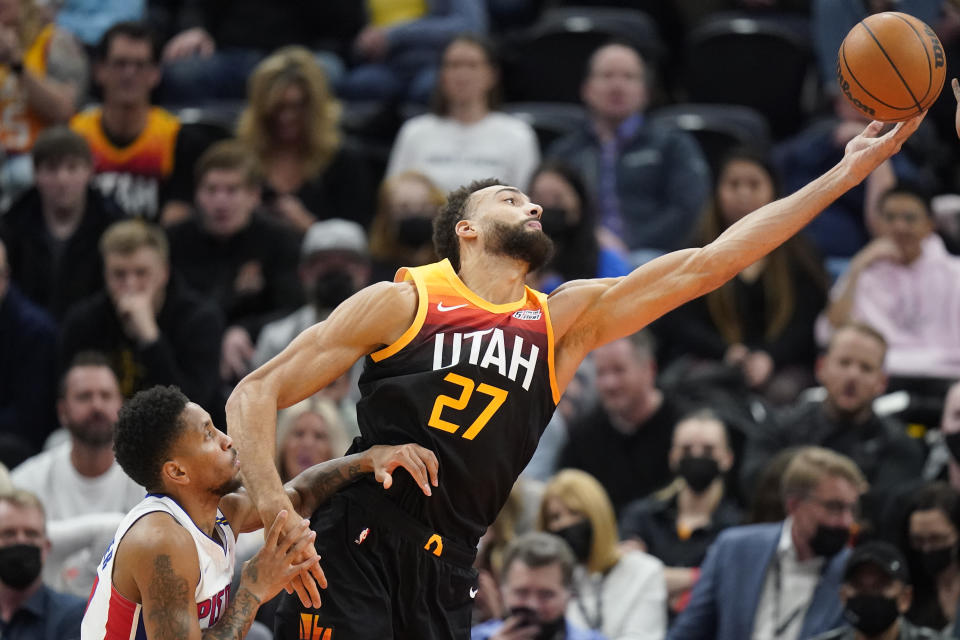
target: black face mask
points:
(580, 537)
(698, 471)
(828, 541)
(953, 444)
(415, 231)
(871, 615)
(332, 288)
(20, 564)
(547, 630)
(554, 223)
(934, 562)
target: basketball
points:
(891, 66)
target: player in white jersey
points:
(180, 536)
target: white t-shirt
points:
(67, 494)
(454, 154)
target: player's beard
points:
(518, 241)
(231, 485)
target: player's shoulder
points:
(157, 532)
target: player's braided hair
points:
(148, 425)
(445, 241)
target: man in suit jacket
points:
(781, 580)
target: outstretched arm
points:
(587, 314)
(316, 485)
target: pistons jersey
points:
(110, 616)
(470, 380)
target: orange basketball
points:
(891, 66)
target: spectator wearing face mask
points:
(876, 592)
(679, 523)
(401, 234)
(929, 537)
(621, 594)
(780, 580)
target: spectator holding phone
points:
(535, 586)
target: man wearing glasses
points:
(781, 580)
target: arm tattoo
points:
(169, 592)
(319, 483)
(236, 619)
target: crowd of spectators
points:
(186, 185)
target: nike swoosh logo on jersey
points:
(441, 308)
(474, 591)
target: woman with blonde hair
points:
(308, 433)
(292, 122)
(401, 234)
(621, 594)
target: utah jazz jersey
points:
(132, 175)
(110, 616)
(474, 382)
(19, 124)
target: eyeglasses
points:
(836, 507)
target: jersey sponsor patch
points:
(528, 314)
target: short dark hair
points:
(149, 424)
(229, 155)
(445, 241)
(87, 358)
(134, 31)
(907, 188)
(538, 549)
(57, 144)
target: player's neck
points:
(494, 278)
(125, 120)
(201, 506)
(12, 599)
(91, 461)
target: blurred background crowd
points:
(185, 185)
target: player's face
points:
(128, 73)
(852, 371)
(307, 443)
(510, 225)
(615, 89)
(288, 117)
(207, 453)
(466, 75)
(90, 404)
(743, 187)
(904, 219)
(226, 201)
(538, 588)
(624, 377)
(143, 271)
(63, 184)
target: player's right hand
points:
(281, 558)
(421, 463)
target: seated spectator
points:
(52, 231)
(401, 234)
(569, 219)
(242, 261)
(142, 154)
(465, 138)
(929, 537)
(650, 182)
(43, 77)
(292, 123)
(28, 342)
(761, 322)
(29, 608)
(308, 433)
(221, 41)
(624, 442)
(536, 582)
(334, 264)
(151, 326)
(906, 285)
(781, 580)
(621, 594)
(79, 479)
(876, 592)
(679, 523)
(397, 51)
(852, 374)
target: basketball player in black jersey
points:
(463, 359)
